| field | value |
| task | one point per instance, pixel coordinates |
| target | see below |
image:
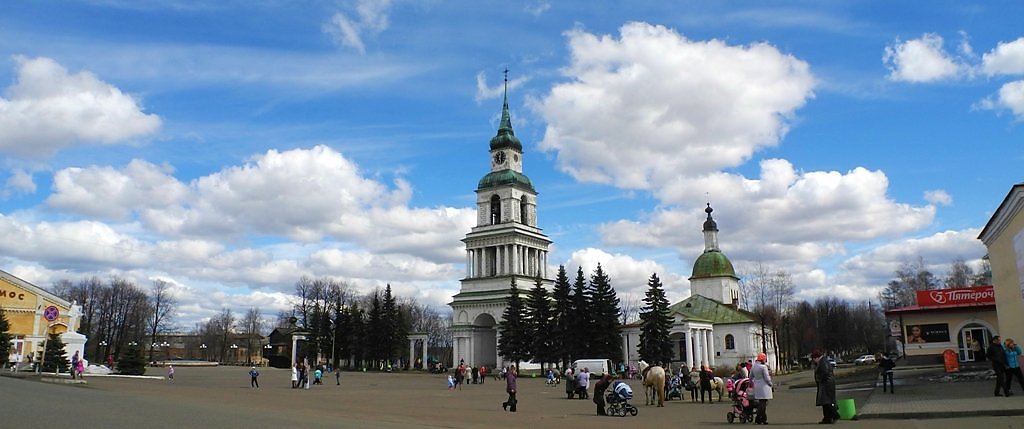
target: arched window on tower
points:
(523, 211)
(730, 342)
(495, 210)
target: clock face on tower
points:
(499, 158)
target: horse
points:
(718, 385)
(654, 383)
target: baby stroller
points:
(618, 400)
(742, 407)
(675, 388)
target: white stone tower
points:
(505, 244)
(713, 275)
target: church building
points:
(709, 328)
(505, 245)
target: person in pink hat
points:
(763, 388)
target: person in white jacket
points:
(763, 388)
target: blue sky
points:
(231, 147)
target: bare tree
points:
(224, 324)
(959, 275)
(162, 305)
(252, 326)
(630, 309)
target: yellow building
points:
(1004, 237)
(33, 313)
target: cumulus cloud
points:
(537, 8)
(876, 266)
(785, 216)
(920, 60)
(1010, 97)
(371, 19)
(49, 109)
(628, 275)
(641, 108)
(484, 92)
(1006, 59)
(110, 193)
(938, 196)
(19, 182)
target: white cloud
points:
(640, 109)
(49, 109)
(372, 20)
(875, 267)
(785, 218)
(629, 276)
(537, 8)
(920, 60)
(1010, 97)
(484, 92)
(938, 196)
(19, 182)
(114, 194)
(1006, 59)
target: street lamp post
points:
(234, 351)
(266, 353)
(203, 348)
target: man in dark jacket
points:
(886, 364)
(997, 356)
(826, 381)
(599, 388)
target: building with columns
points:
(709, 327)
(505, 245)
(33, 313)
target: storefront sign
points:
(982, 295)
(12, 294)
(931, 333)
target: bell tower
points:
(505, 245)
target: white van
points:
(597, 367)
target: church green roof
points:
(506, 138)
(701, 308)
(713, 263)
(505, 177)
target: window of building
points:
(495, 210)
(730, 342)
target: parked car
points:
(832, 361)
(864, 360)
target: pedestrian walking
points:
(886, 363)
(1012, 365)
(483, 373)
(510, 386)
(74, 365)
(80, 368)
(997, 355)
(705, 383)
(826, 395)
(295, 376)
(693, 383)
(110, 362)
(254, 381)
(170, 373)
(599, 388)
(337, 376)
(763, 388)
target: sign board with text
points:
(958, 297)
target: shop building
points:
(962, 319)
(33, 313)
(1003, 235)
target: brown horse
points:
(654, 383)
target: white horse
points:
(718, 385)
(654, 383)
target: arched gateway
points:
(505, 245)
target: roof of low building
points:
(698, 307)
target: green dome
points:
(712, 263)
(507, 177)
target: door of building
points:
(968, 336)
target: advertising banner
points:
(958, 297)
(931, 333)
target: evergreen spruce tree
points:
(562, 316)
(514, 342)
(132, 362)
(655, 324)
(394, 326)
(56, 359)
(605, 342)
(374, 332)
(357, 337)
(580, 326)
(538, 315)
(5, 338)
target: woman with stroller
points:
(599, 388)
(762, 387)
